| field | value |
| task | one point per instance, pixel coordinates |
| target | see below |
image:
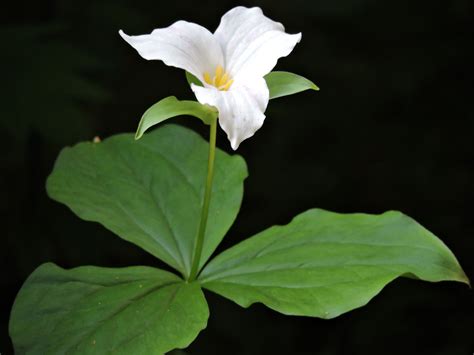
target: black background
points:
(391, 128)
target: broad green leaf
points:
(150, 191)
(323, 264)
(282, 83)
(172, 107)
(192, 79)
(94, 310)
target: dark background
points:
(391, 128)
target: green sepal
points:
(282, 83)
(192, 79)
(171, 107)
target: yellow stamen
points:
(224, 80)
(217, 78)
(207, 78)
(221, 79)
(226, 86)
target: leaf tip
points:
(464, 279)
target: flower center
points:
(221, 79)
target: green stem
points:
(205, 205)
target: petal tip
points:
(299, 35)
(234, 144)
(125, 36)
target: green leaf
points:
(172, 107)
(192, 79)
(150, 191)
(282, 83)
(94, 310)
(323, 264)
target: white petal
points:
(252, 43)
(184, 45)
(241, 109)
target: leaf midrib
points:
(219, 276)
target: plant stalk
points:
(205, 206)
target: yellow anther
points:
(207, 78)
(220, 80)
(224, 80)
(226, 86)
(217, 78)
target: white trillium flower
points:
(231, 63)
